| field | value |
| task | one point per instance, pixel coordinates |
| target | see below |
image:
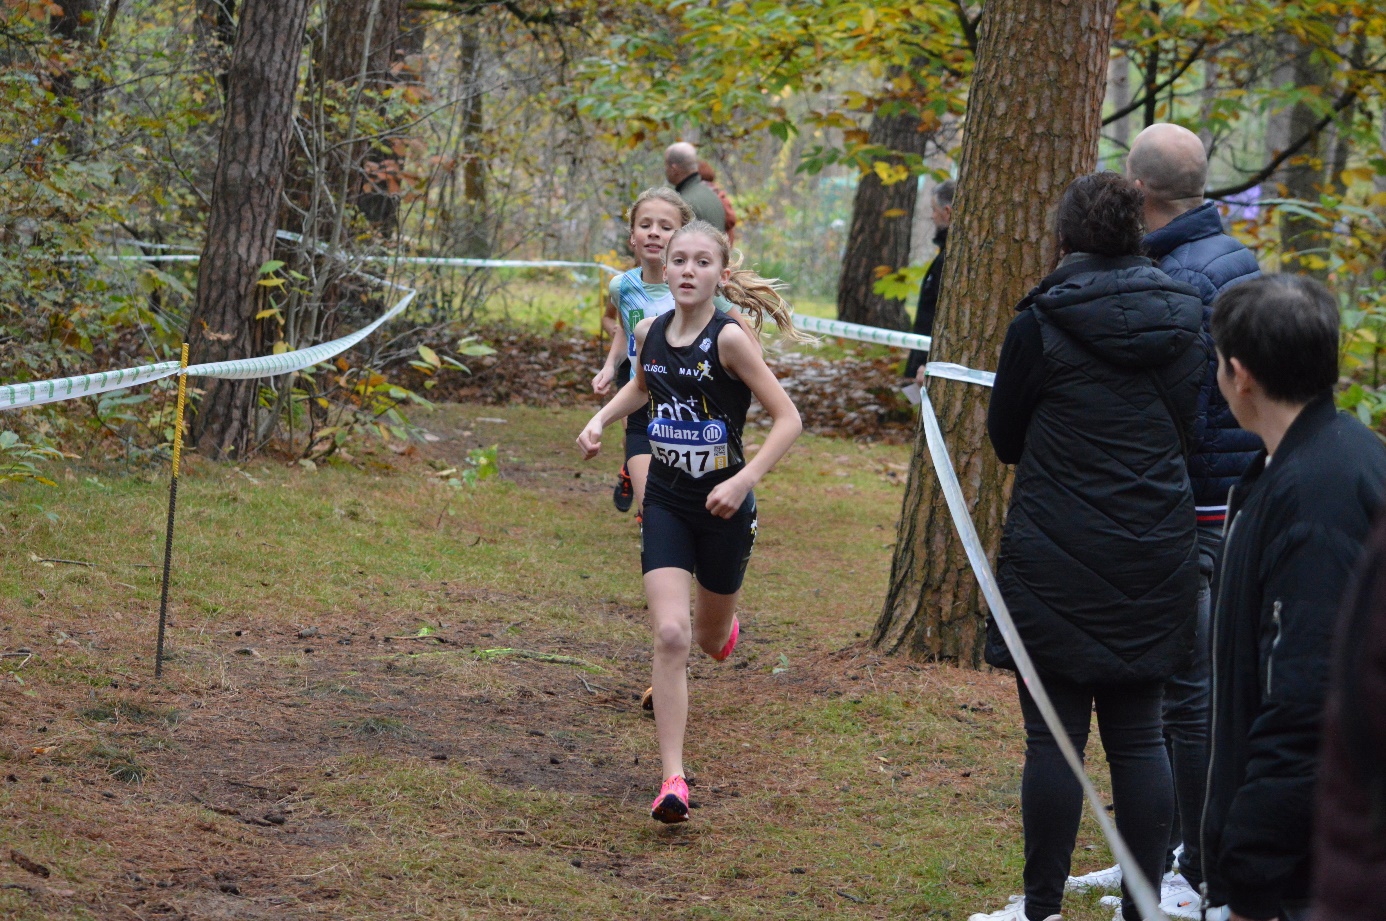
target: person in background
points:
(1297, 523)
(1096, 389)
(710, 177)
(1184, 236)
(942, 201)
(1350, 812)
(681, 169)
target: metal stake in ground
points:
(172, 506)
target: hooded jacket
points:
(1295, 530)
(1193, 249)
(928, 302)
(1095, 392)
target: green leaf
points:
(274, 265)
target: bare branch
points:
(1344, 102)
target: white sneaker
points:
(1109, 878)
(1178, 899)
(1014, 911)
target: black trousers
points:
(1051, 799)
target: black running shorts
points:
(638, 432)
(716, 550)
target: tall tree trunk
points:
(882, 216)
(361, 50)
(245, 205)
(472, 232)
(1119, 95)
(1302, 175)
(1032, 126)
(215, 28)
(79, 25)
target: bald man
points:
(681, 169)
(1185, 237)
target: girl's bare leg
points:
(667, 591)
(712, 620)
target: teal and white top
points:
(637, 299)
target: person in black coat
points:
(1096, 390)
(1297, 523)
(942, 200)
(1185, 238)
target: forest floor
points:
(350, 723)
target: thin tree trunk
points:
(1302, 239)
(882, 216)
(262, 85)
(472, 234)
(79, 24)
(1032, 126)
(215, 28)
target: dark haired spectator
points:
(708, 176)
(1185, 237)
(1297, 523)
(1350, 812)
(942, 202)
(1096, 388)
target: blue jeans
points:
(1051, 798)
(1186, 701)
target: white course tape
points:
(1146, 898)
(960, 373)
(861, 333)
(33, 393)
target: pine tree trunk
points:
(262, 85)
(882, 216)
(1032, 126)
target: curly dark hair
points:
(1101, 213)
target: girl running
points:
(636, 295)
(696, 371)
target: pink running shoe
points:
(731, 641)
(671, 805)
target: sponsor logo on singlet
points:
(652, 368)
(706, 343)
(703, 372)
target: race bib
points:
(695, 448)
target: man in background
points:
(1184, 236)
(942, 201)
(681, 169)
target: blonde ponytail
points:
(756, 297)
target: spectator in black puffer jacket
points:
(1185, 238)
(1096, 389)
(1297, 524)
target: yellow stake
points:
(182, 399)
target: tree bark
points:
(79, 25)
(262, 84)
(215, 28)
(358, 45)
(1302, 175)
(1032, 126)
(882, 216)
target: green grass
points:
(417, 779)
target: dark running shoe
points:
(624, 494)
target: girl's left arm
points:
(743, 358)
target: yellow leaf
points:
(281, 347)
(430, 356)
(271, 282)
(868, 19)
(890, 173)
(895, 212)
(322, 401)
(268, 312)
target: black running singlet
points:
(697, 412)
